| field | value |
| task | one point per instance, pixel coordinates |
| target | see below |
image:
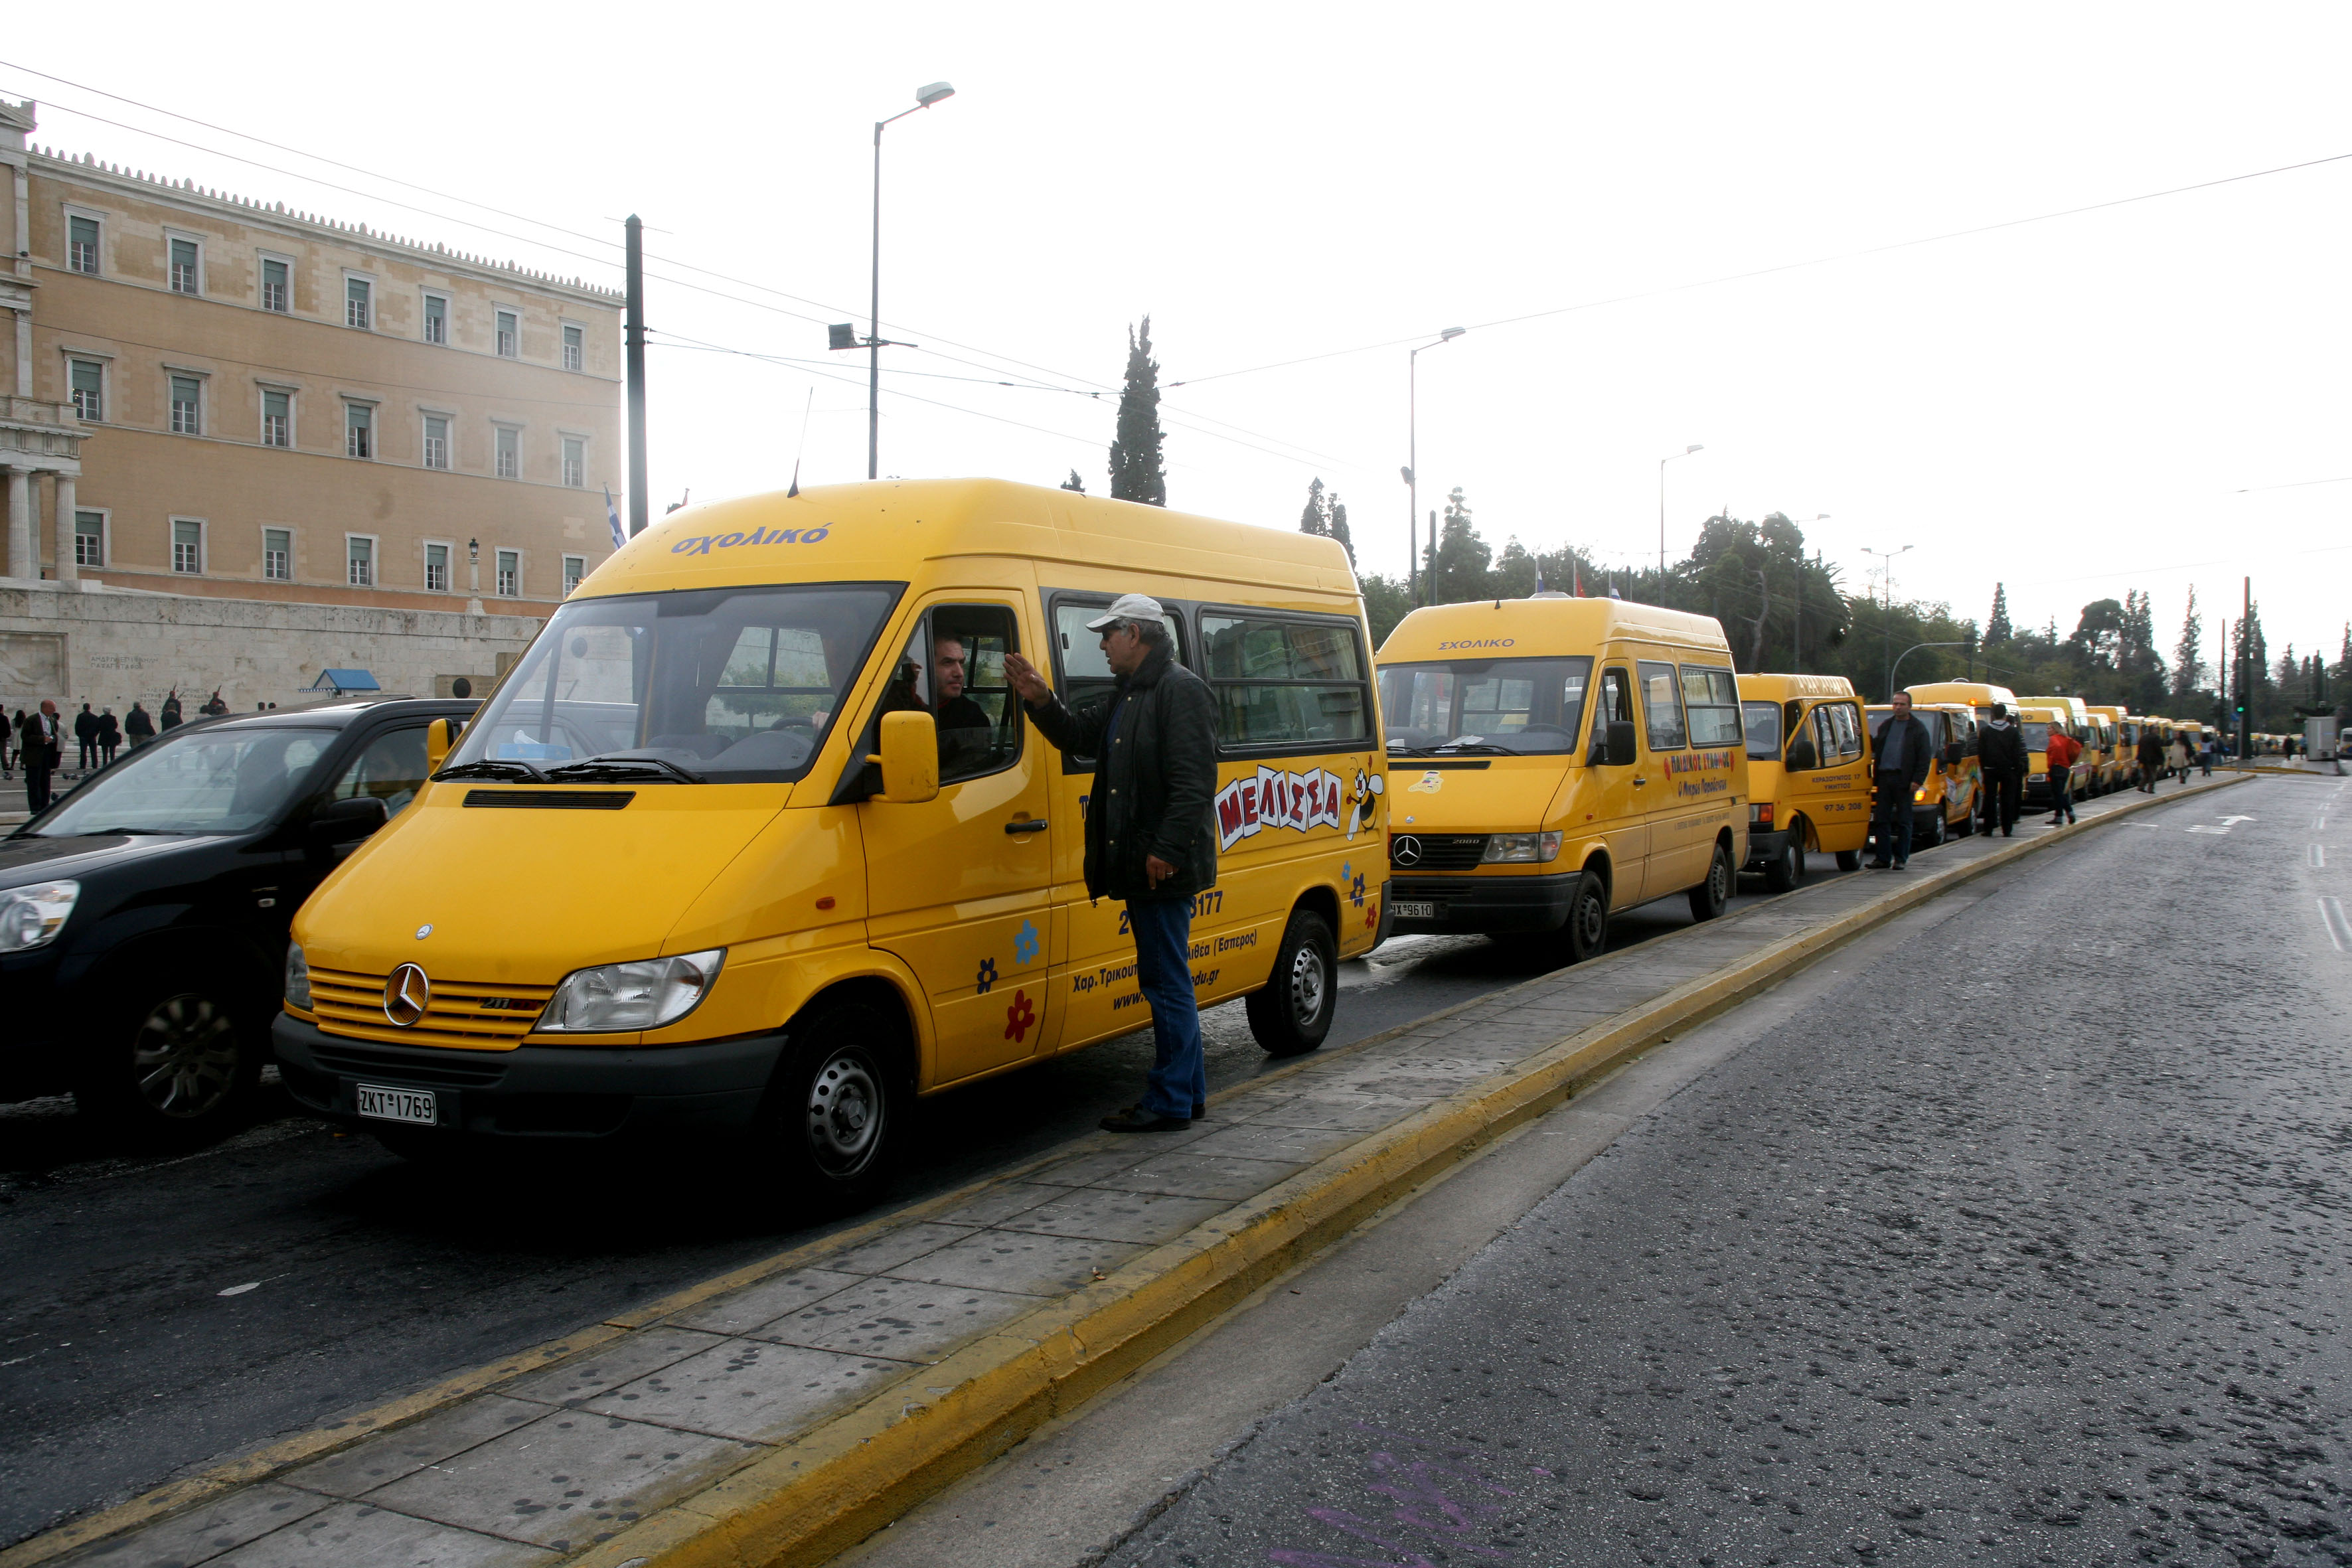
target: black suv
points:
(143, 917)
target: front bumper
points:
(34, 1000)
(1466, 905)
(539, 1091)
(1764, 847)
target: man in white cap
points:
(1151, 836)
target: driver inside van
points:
(955, 710)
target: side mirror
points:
(1951, 754)
(347, 821)
(1801, 756)
(1620, 744)
(440, 736)
(909, 759)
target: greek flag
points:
(613, 517)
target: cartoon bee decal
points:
(1363, 800)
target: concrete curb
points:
(827, 1490)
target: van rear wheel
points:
(1706, 899)
(1787, 868)
(1291, 1012)
(828, 1128)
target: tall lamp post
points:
(1669, 458)
(845, 337)
(1886, 621)
(1412, 466)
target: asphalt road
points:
(124, 1361)
(2026, 1242)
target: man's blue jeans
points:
(1178, 1084)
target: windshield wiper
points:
(1472, 748)
(605, 769)
(492, 768)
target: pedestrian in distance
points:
(1899, 766)
(1151, 840)
(43, 739)
(2176, 758)
(2205, 756)
(8, 728)
(2060, 755)
(2000, 755)
(139, 724)
(85, 726)
(171, 715)
(110, 736)
(2150, 753)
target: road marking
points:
(2339, 930)
(2202, 828)
(2319, 855)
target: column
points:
(69, 568)
(22, 560)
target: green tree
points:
(2187, 660)
(1997, 627)
(1384, 604)
(1327, 516)
(1459, 560)
(1137, 470)
(1074, 483)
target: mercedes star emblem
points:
(406, 994)
(1405, 850)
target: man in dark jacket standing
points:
(139, 726)
(85, 725)
(1151, 837)
(1899, 764)
(44, 749)
(2000, 756)
(2150, 753)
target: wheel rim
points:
(1308, 983)
(1591, 919)
(844, 1112)
(1792, 861)
(185, 1056)
(1718, 880)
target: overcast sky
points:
(2135, 397)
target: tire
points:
(177, 1064)
(1848, 860)
(1932, 839)
(1966, 826)
(1788, 867)
(1586, 933)
(1706, 899)
(828, 1129)
(1291, 1012)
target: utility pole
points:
(1886, 615)
(634, 337)
(2245, 684)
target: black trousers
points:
(2004, 797)
(1890, 814)
(88, 754)
(36, 789)
(2062, 801)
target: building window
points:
(436, 320)
(437, 568)
(359, 430)
(81, 246)
(509, 574)
(184, 266)
(436, 442)
(360, 573)
(277, 287)
(277, 418)
(187, 397)
(277, 555)
(356, 292)
(574, 568)
(187, 545)
(575, 461)
(89, 539)
(90, 390)
(574, 348)
(510, 450)
(509, 335)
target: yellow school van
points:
(2123, 765)
(2069, 713)
(1552, 761)
(755, 841)
(1977, 694)
(1808, 774)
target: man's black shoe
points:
(1135, 1118)
(1903, 864)
(1878, 865)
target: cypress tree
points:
(1074, 483)
(1997, 627)
(2187, 660)
(1339, 521)
(1137, 472)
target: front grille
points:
(464, 1014)
(553, 799)
(405, 1068)
(1438, 851)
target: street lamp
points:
(844, 337)
(474, 576)
(1886, 615)
(1411, 471)
(1669, 458)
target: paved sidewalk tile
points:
(383, 1459)
(201, 1534)
(1334, 1108)
(1017, 1261)
(1108, 1214)
(1291, 1146)
(1228, 1176)
(997, 1205)
(740, 1311)
(609, 1366)
(751, 1389)
(892, 1248)
(896, 1320)
(354, 1535)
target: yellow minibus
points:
(1979, 696)
(2123, 763)
(2076, 719)
(1945, 803)
(1808, 774)
(1552, 761)
(755, 841)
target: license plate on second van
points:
(398, 1104)
(1413, 908)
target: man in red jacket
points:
(2061, 753)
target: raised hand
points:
(1026, 679)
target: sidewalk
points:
(781, 1413)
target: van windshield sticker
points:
(704, 544)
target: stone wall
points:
(106, 646)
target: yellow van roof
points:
(1976, 692)
(2070, 706)
(1531, 628)
(877, 532)
(1771, 688)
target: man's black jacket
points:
(1915, 757)
(2000, 749)
(1155, 784)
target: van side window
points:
(1846, 718)
(1662, 707)
(1826, 745)
(1712, 699)
(1079, 659)
(1284, 682)
(953, 670)
(392, 770)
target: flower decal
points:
(987, 977)
(1020, 1017)
(1026, 943)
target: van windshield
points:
(722, 685)
(1929, 721)
(220, 779)
(2037, 736)
(1521, 707)
(1762, 723)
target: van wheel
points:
(1291, 1012)
(828, 1127)
(1788, 867)
(1848, 860)
(1588, 919)
(1935, 834)
(176, 1064)
(1706, 899)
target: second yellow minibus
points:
(1808, 774)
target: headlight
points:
(1923, 795)
(647, 994)
(32, 917)
(1522, 846)
(298, 977)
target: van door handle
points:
(1027, 825)
(1639, 781)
